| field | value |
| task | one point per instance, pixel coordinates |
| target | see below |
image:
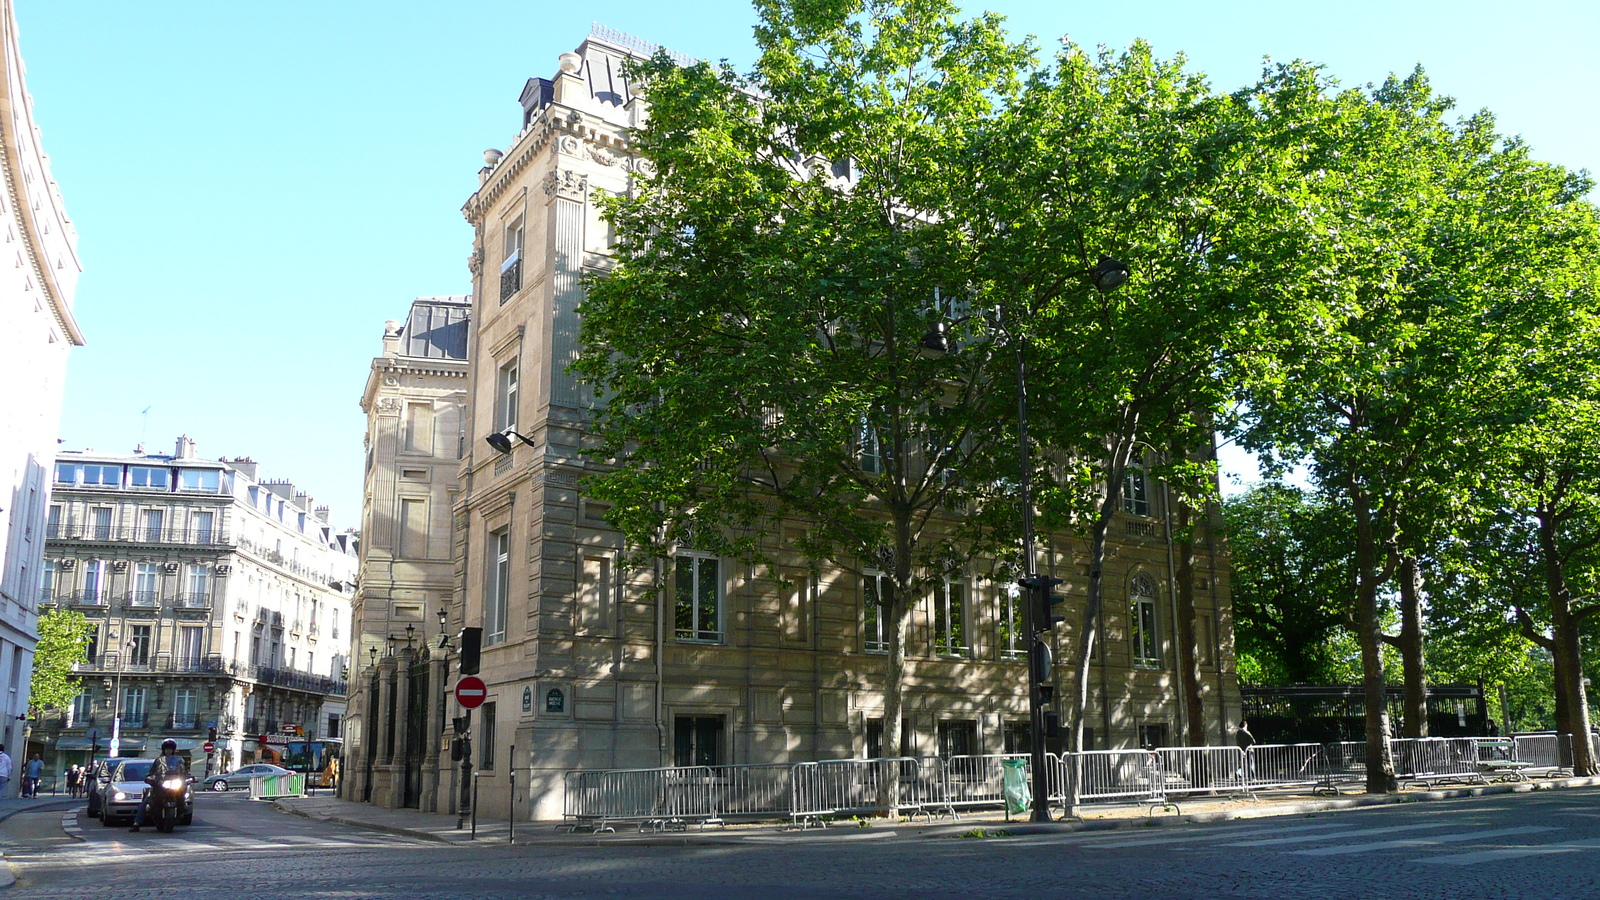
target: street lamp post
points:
(1107, 275)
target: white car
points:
(242, 775)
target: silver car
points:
(123, 791)
(241, 776)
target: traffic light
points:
(471, 646)
(1042, 600)
(213, 735)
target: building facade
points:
(415, 403)
(217, 601)
(694, 660)
(37, 330)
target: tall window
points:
(82, 710)
(53, 524)
(958, 738)
(868, 450)
(505, 398)
(698, 599)
(511, 261)
(203, 522)
(413, 529)
(94, 582)
(185, 702)
(499, 593)
(133, 706)
(1135, 498)
(150, 526)
(697, 740)
(874, 588)
(190, 642)
(93, 650)
(139, 646)
(199, 585)
(1146, 645)
(102, 523)
(1013, 623)
(950, 619)
(146, 584)
(47, 585)
(486, 739)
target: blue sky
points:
(257, 187)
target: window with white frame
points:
(146, 584)
(94, 581)
(67, 473)
(499, 588)
(697, 597)
(150, 524)
(200, 479)
(1135, 495)
(82, 710)
(1013, 623)
(511, 261)
(875, 636)
(133, 706)
(191, 642)
(149, 477)
(203, 521)
(505, 398)
(198, 587)
(102, 523)
(1142, 614)
(139, 645)
(869, 452)
(185, 703)
(950, 618)
(47, 583)
(104, 476)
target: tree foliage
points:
(63, 641)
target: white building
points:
(36, 332)
(219, 601)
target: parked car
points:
(241, 776)
(124, 791)
(95, 781)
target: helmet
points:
(169, 746)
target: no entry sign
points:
(471, 691)
(209, 747)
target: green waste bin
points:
(1019, 797)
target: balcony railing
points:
(182, 721)
(271, 555)
(84, 598)
(191, 600)
(510, 278)
(149, 599)
(138, 534)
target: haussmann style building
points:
(697, 660)
(217, 600)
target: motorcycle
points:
(170, 801)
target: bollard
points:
(511, 762)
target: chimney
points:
(322, 514)
(281, 487)
(185, 448)
(244, 465)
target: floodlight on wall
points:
(501, 440)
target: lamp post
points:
(1107, 275)
(501, 440)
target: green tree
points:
(1437, 264)
(759, 340)
(1291, 559)
(63, 641)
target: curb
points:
(357, 823)
(8, 878)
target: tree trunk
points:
(1572, 704)
(1089, 633)
(897, 606)
(1412, 649)
(1380, 764)
(1188, 648)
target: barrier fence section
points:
(677, 793)
(758, 791)
(1278, 766)
(1128, 775)
(843, 787)
(1437, 759)
(1543, 751)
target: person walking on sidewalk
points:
(32, 772)
(1246, 742)
(5, 770)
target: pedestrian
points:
(1245, 740)
(32, 772)
(74, 780)
(1493, 729)
(5, 770)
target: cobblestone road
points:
(1544, 845)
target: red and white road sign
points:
(209, 748)
(471, 692)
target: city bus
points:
(319, 759)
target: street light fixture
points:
(501, 440)
(411, 631)
(444, 639)
(1107, 275)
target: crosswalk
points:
(1445, 842)
(96, 846)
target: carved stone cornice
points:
(553, 123)
(567, 183)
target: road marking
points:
(1483, 856)
(1125, 838)
(1348, 832)
(1425, 842)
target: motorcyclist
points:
(168, 764)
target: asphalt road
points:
(1543, 845)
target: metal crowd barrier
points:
(844, 787)
(1127, 775)
(1436, 759)
(666, 796)
(1544, 751)
(754, 791)
(1280, 766)
(1205, 770)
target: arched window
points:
(1142, 615)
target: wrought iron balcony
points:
(510, 278)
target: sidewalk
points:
(10, 806)
(433, 826)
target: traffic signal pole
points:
(1041, 784)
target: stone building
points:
(699, 660)
(218, 601)
(415, 403)
(37, 330)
